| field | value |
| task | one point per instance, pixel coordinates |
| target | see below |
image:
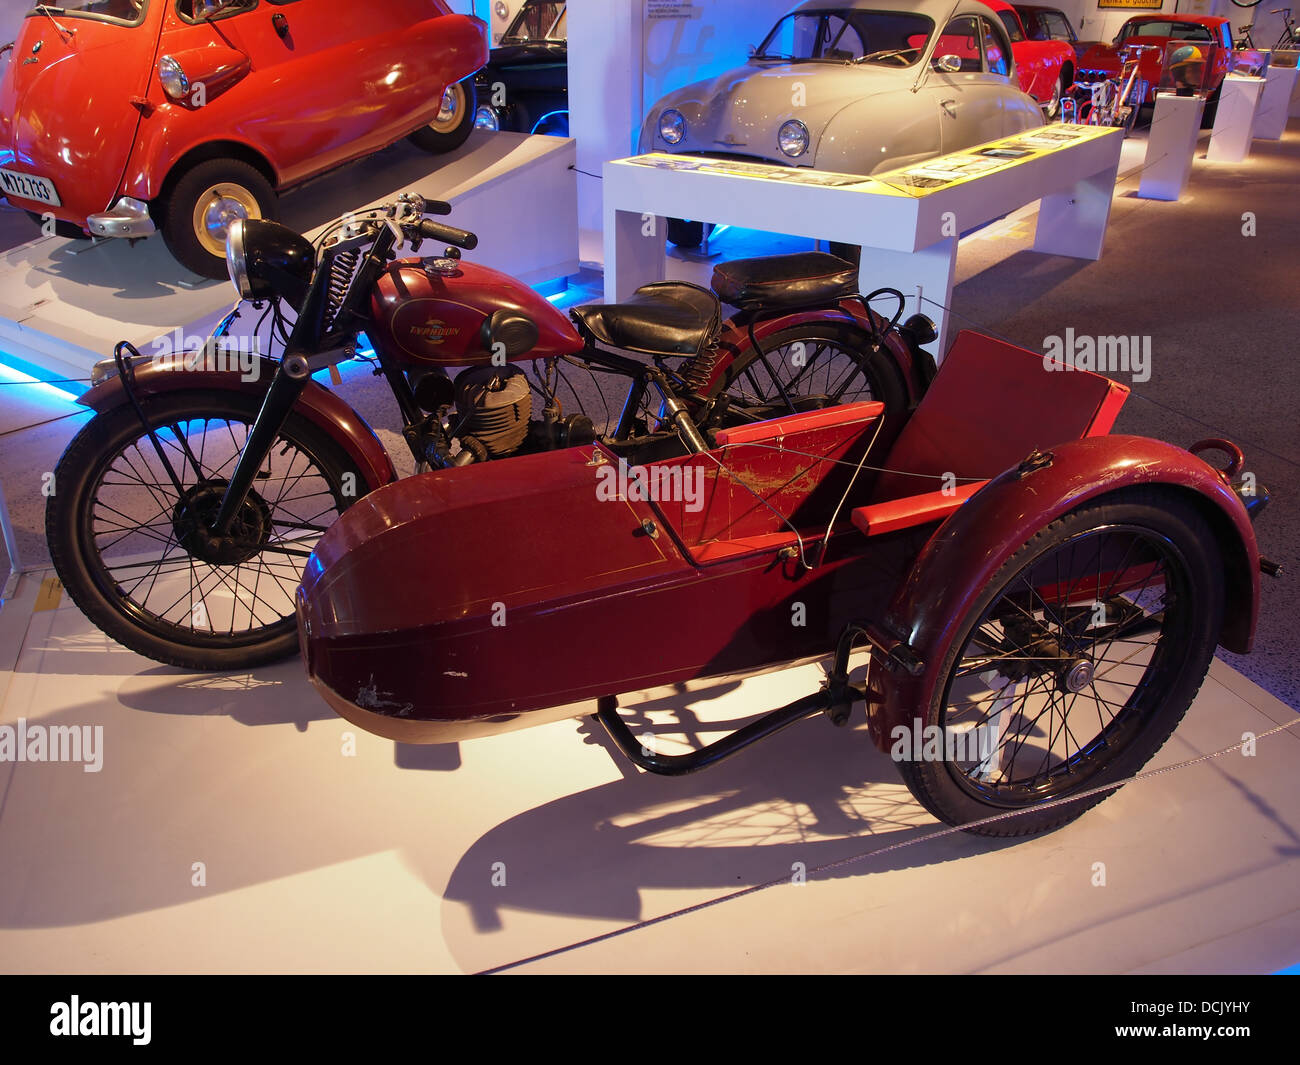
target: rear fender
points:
(331, 415)
(966, 551)
(735, 340)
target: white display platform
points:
(1280, 84)
(1171, 145)
(907, 220)
(65, 304)
(1234, 123)
(470, 857)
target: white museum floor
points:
(392, 859)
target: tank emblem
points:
(434, 331)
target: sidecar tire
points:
(1179, 663)
(69, 519)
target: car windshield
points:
(1179, 31)
(538, 22)
(109, 10)
(838, 35)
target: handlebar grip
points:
(461, 238)
(439, 207)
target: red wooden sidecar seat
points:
(990, 406)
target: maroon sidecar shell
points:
(469, 601)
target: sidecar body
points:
(464, 602)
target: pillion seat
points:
(991, 405)
(666, 318)
(775, 282)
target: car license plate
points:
(29, 187)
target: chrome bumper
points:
(127, 218)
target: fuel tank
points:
(432, 313)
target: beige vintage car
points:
(853, 87)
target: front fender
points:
(967, 550)
(317, 404)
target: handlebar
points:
(461, 238)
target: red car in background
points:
(122, 117)
(1045, 67)
(1155, 32)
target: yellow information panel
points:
(949, 170)
(1132, 5)
(919, 179)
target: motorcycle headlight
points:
(266, 259)
(174, 81)
(487, 118)
(793, 139)
(672, 126)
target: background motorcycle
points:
(187, 507)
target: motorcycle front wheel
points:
(136, 556)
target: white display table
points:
(907, 221)
(1171, 145)
(1234, 124)
(1275, 103)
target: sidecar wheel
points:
(129, 554)
(1074, 666)
(822, 364)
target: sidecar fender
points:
(966, 551)
(317, 404)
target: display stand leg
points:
(1073, 222)
(924, 277)
(1171, 146)
(1275, 103)
(1234, 125)
(634, 252)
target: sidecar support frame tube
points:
(676, 765)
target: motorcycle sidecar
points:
(1042, 598)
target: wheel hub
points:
(1078, 675)
(194, 515)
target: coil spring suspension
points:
(699, 371)
(341, 271)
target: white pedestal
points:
(1234, 125)
(908, 235)
(1276, 102)
(1170, 146)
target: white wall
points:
(621, 62)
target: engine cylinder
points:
(496, 405)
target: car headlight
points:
(175, 83)
(501, 8)
(672, 126)
(486, 117)
(793, 139)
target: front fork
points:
(286, 387)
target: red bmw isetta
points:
(119, 118)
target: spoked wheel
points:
(1052, 109)
(814, 366)
(1075, 665)
(140, 561)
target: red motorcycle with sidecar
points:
(1040, 599)
(188, 505)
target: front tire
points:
(454, 123)
(201, 205)
(126, 548)
(1074, 666)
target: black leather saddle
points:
(779, 281)
(666, 318)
